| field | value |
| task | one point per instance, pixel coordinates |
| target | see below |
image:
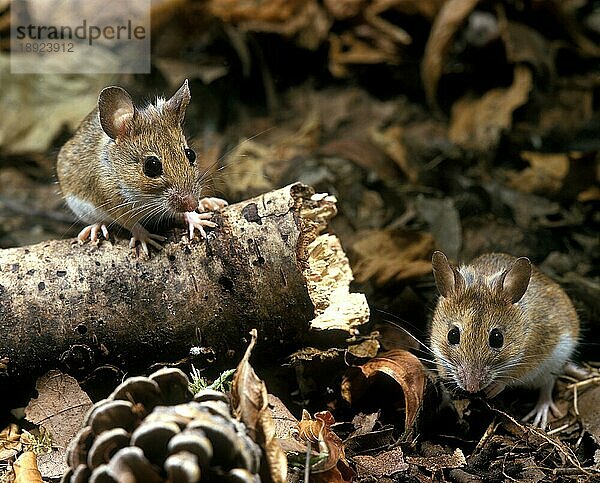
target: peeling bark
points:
(75, 307)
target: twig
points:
(307, 463)
(563, 450)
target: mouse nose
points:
(472, 381)
(184, 203)
(190, 203)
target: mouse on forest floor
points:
(129, 167)
(499, 323)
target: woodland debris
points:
(250, 405)
(168, 435)
(387, 463)
(451, 17)
(329, 277)
(402, 367)
(385, 255)
(478, 122)
(26, 470)
(332, 464)
(59, 410)
(103, 304)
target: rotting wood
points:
(76, 307)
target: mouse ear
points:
(116, 110)
(447, 278)
(179, 102)
(515, 280)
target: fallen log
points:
(76, 307)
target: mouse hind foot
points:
(140, 234)
(543, 407)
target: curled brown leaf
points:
(447, 23)
(403, 367)
(26, 469)
(478, 122)
(249, 400)
(384, 255)
(317, 431)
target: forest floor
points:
(463, 126)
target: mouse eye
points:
(496, 339)
(152, 167)
(454, 336)
(190, 154)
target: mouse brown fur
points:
(500, 322)
(130, 166)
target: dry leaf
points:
(349, 49)
(546, 173)
(444, 224)
(250, 405)
(285, 426)
(26, 470)
(267, 11)
(386, 255)
(10, 442)
(364, 423)
(246, 169)
(363, 153)
(305, 20)
(366, 348)
(590, 194)
(588, 47)
(527, 46)
(477, 123)
(51, 465)
(393, 32)
(589, 411)
(60, 408)
(403, 367)
(36, 108)
(386, 463)
(391, 141)
(568, 110)
(451, 17)
(176, 70)
(438, 462)
(344, 9)
(318, 432)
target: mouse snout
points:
(471, 379)
(182, 203)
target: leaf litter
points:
(462, 125)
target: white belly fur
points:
(552, 366)
(86, 211)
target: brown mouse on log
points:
(132, 166)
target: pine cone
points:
(150, 429)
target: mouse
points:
(500, 322)
(132, 167)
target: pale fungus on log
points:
(77, 307)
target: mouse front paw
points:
(91, 232)
(211, 204)
(197, 221)
(140, 234)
